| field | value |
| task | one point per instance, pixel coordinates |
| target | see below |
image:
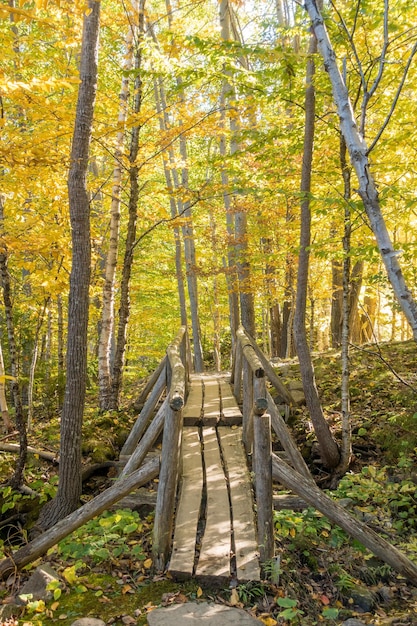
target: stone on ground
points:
(36, 587)
(203, 614)
(88, 621)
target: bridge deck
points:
(215, 535)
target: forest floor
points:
(324, 577)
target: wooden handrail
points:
(249, 353)
(177, 377)
(177, 387)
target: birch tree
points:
(328, 447)
(108, 305)
(359, 156)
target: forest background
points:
(182, 166)
(220, 191)
(220, 127)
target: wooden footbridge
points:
(214, 513)
(207, 523)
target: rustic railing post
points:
(247, 406)
(171, 445)
(262, 466)
(258, 425)
(237, 372)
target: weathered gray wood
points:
(244, 527)
(192, 410)
(145, 414)
(249, 353)
(214, 561)
(177, 384)
(260, 402)
(147, 441)
(43, 454)
(230, 411)
(189, 503)
(278, 424)
(293, 503)
(149, 384)
(369, 538)
(39, 546)
(211, 405)
(274, 379)
(168, 480)
(247, 407)
(237, 372)
(262, 465)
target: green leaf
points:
(130, 528)
(286, 602)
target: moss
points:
(106, 599)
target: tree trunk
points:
(240, 255)
(336, 314)
(328, 447)
(69, 488)
(170, 178)
(18, 475)
(124, 308)
(8, 426)
(107, 315)
(358, 152)
(346, 445)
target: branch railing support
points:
(177, 375)
(257, 439)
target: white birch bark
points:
(240, 217)
(3, 401)
(107, 314)
(358, 152)
(169, 169)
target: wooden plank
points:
(231, 413)
(211, 408)
(192, 411)
(214, 561)
(244, 528)
(188, 510)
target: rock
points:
(363, 599)
(352, 621)
(386, 594)
(295, 385)
(88, 621)
(201, 614)
(35, 587)
(298, 397)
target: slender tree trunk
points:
(124, 308)
(346, 445)
(328, 446)
(358, 152)
(69, 488)
(18, 475)
(32, 368)
(60, 351)
(247, 311)
(107, 316)
(189, 251)
(336, 314)
(8, 426)
(169, 170)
